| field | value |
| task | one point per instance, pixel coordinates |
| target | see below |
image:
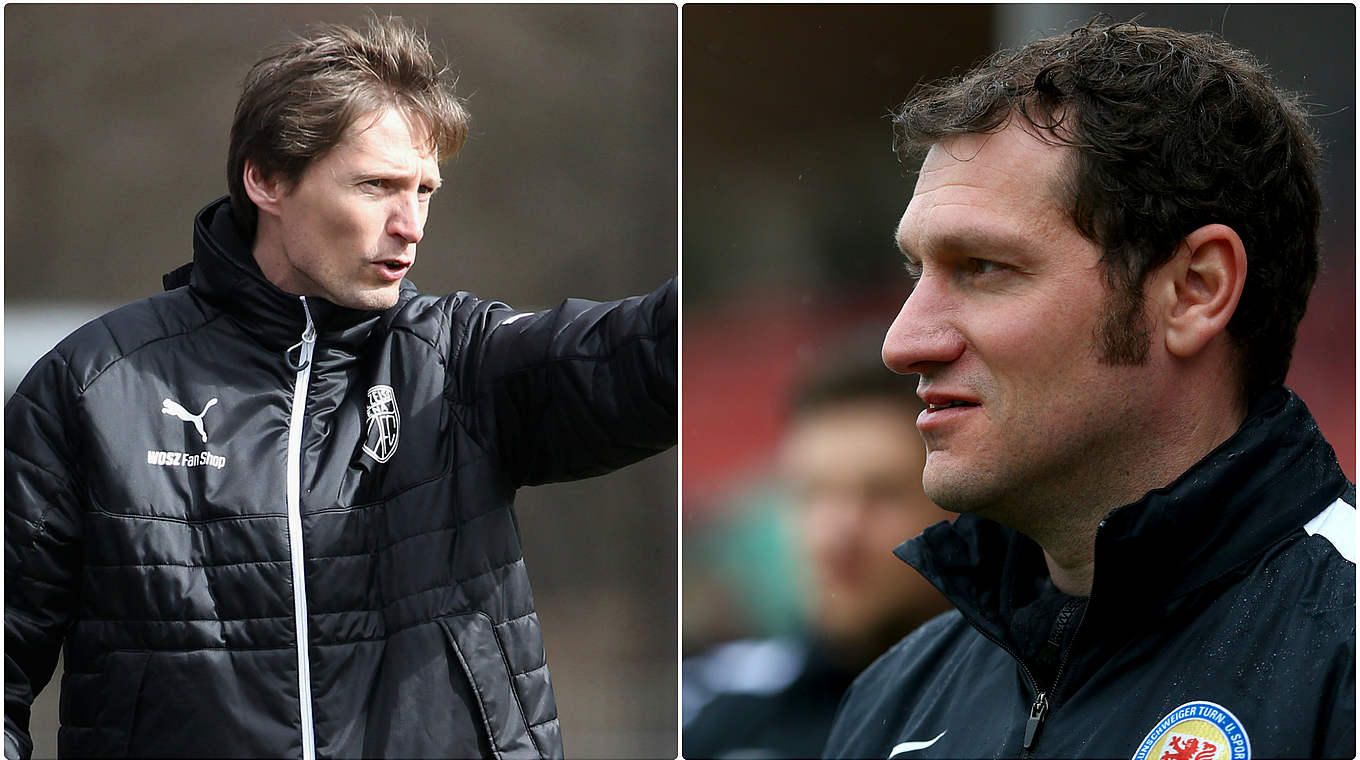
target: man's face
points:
(1002, 327)
(854, 470)
(350, 224)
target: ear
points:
(264, 191)
(1201, 286)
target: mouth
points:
(936, 400)
(392, 269)
(942, 409)
(949, 405)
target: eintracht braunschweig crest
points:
(1197, 730)
(383, 423)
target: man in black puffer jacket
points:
(1114, 234)
(269, 512)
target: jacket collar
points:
(1272, 476)
(224, 273)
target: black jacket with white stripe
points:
(259, 539)
(1221, 624)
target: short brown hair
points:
(297, 103)
(1171, 131)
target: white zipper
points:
(304, 374)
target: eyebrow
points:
(389, 171)
(970, 241)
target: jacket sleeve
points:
(1339, 738)
(42, 540)
(574, 391)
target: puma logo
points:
(171, 407)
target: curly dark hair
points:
(1171, 131)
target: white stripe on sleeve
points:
(1336, 523)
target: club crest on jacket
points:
(1196, 731)
(383, 423)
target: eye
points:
(913, 268)
(427, 189)
(984, 266)
(376, 184)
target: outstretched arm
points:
(574, 391)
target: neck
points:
(1073, 572)
(267, 250)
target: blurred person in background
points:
(1114, 234)
(850, 463)
(270, 510)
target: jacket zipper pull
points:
(303, 346)
(1036, 716)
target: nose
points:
(407, 218)
(923, 336)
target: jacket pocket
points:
(98, 709)
(478, 651)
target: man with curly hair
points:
(1113, 237)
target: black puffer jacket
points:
(1221, 624)
(176, 470)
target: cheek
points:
(336, 217)
(1037, 351)
(321, 228)
(353, 223)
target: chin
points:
(372, 300)
(957, 491)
